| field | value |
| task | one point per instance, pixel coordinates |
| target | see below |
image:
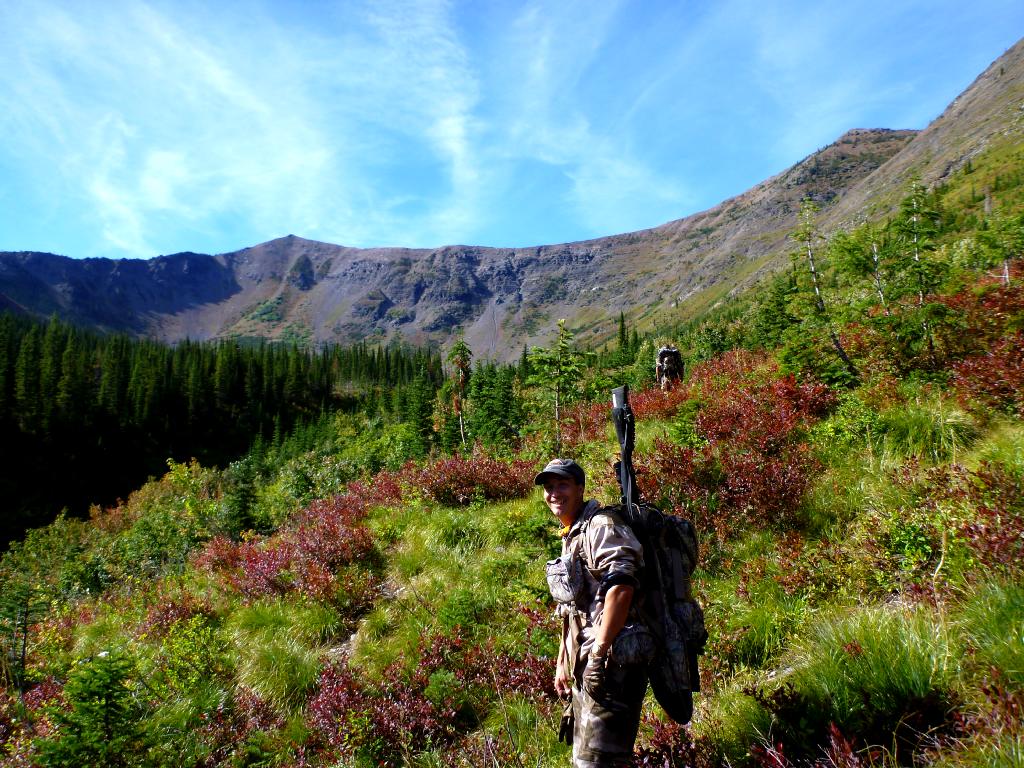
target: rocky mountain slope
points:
(297, 289)
(987, 117)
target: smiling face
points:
(564, 497)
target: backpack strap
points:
(614, 579)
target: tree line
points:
(87, 417)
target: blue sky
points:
(131, 129)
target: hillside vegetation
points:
(87, 418)
(368, 590)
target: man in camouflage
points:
(598, 661)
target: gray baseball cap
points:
(564, 468)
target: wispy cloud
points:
(162, 119)
(133, 127)
(555, 54)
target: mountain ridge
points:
(499, 299)
(300, 289)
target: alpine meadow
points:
(277, 507)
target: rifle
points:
(625, 430)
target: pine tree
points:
(26, 380)
(21, 608)
(114, 375)
(419, 408)
(461, 358)
(917, 226)
(1003, 237)
(556, 374)
(865, 253)
(104, 724)
(49, 369)
(808, 236)
(496, 416)
(772, 315)
(6, 364)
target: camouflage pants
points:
(606, 728)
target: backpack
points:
(670, 362)
(666, 603)
(667, 607)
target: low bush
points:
(410, 710)
(745, 462)
(190, 652)
(994, 379)
(323, 554)
(982, 316)
(995, 534)
(458, 480)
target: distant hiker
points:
(593, 583)
(668, 369)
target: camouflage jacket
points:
(610, 554)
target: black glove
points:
(568, 724)
(593, 676)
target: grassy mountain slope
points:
(986, 119)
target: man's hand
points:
(563, 686)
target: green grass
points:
(179, 719)
(466, 567)
(993, 620)
(1003, 444)
(932, 430)
(874, 671)
(277, 649)
(731, 722)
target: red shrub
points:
(978, 318)
(762, 416)
(585, 421)
(321, 541)
(654, 404)
(752, 468)
(735, 368)
(403, 713)
(996, 534)
(1003, 708)
(45, 693)
(231, 723)
(590, 421)
(995, 378)
(459, 480)
(385, 488)
(380, 722)
(167, 610)
(767, 489)
(684, 478)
